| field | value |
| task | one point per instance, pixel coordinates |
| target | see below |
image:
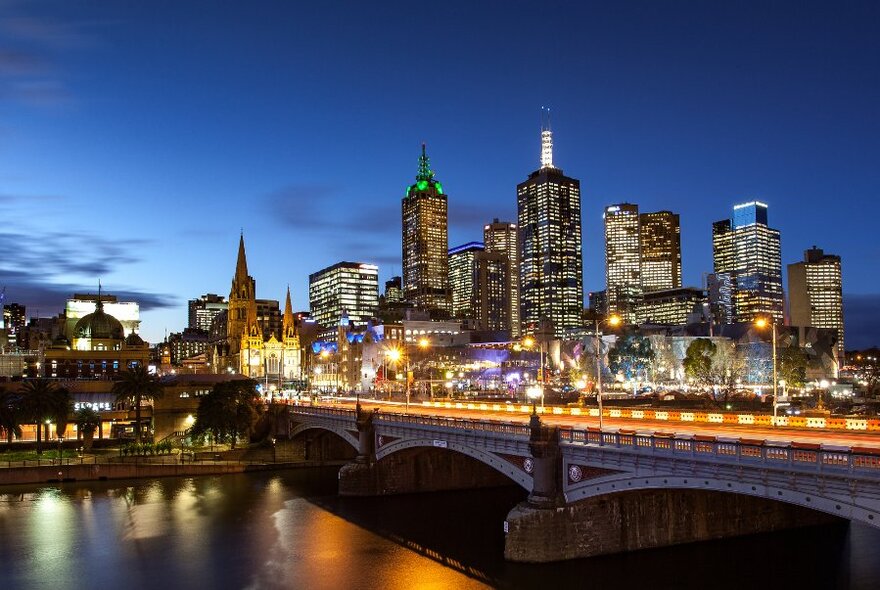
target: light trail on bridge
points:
(744, 431)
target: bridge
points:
(592, 492)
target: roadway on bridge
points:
(769, 433)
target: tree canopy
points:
(230, 411)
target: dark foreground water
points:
(290, 530)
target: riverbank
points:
(112, 470)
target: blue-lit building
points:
(748, 262)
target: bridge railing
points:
(457, 423)
(769, 453)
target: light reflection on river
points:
(290, 530)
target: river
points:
(290, 530)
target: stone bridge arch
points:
(835, 500)
(341, 433)
(502, 465)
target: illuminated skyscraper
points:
(815, 293)
(346, 287)
(461, 278)
(551, 265)
(203, 310)
(425, 241)
(747, 260)
(501, 237)
(623, 276)
(660, 236)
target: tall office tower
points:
(501, 237)
(661, 251)
(461, 278)
(425, 241)
(393, 290)
(550, 257)
(623, 278)
(14, 319)
(815, 293)
(203, 310)
(345, 287)
(747, 258)
(492, 292)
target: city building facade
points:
(425, 241)
(660, 237)
(203, 310)
(623, 276)
(815, 291)
(501, 237)
(550, 247)
(350, 288)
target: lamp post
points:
(534, 392)
(612, 320)
(762, 322)
(529, 342)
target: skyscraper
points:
(747, 258)
(815, 292)
(461, 278)
(501, 237)
(14, 319)
(425, 241)
(660, 236)
(551, 265)
(623, 276)
(345, 287)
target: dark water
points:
(290, 530)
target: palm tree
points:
(135, 386)
(44, 400)
(10, 414)
(87, 421)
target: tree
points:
(135, 386)
(632, 355)
(791, 366)
(43, 400)
(697, 361)
(11, 415)
(229, 411)
(87, 421)
(728, 369)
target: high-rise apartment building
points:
(623, 276)
(346, 287)
(660, 237)
(393, 290)
(501, 237)
(461, 278)
(550, 261)
(815, 293)
(425, 241)
(747, 258)
(203, 310)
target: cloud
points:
(861, 320)
(43, 269)
(313, 207)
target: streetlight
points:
(534, 392)
(762, 323)
(613, 320)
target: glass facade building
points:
(660, 236)
(623, 275)
(501, 237)
(815, 292)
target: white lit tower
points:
(551, 266)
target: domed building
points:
(94, 348)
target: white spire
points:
(546, 139)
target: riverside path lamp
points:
(763, 322)
(534, 392)
(613, 321)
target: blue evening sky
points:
(138, 138)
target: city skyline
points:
(143, 192)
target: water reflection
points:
(290, 530)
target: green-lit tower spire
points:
(425, 177)
(425, 172)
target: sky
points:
(138, 139)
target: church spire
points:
(288, 327)
(241, 270)
(546, 139)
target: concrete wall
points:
(617, 523)
(53, 473)
(418, 470)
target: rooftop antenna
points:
(546, 139)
